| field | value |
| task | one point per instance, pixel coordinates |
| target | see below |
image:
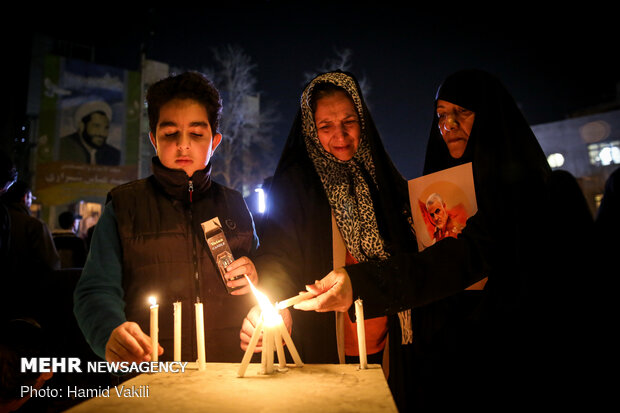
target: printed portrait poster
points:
(441, 202)
(88, 130)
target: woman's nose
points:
(340, 132)
(450, 123)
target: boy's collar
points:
(175, 182)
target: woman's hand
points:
(334, 293)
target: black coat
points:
(31, 257)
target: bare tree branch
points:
(244, 158)
(342, 61)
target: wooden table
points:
(320, 388)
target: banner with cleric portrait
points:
(88, 132)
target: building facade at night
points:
(587, 146)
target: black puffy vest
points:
(164, 254)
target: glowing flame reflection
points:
(269, 312)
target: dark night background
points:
(553, 61)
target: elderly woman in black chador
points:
(510, 328)
(336, 198)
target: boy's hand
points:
(234, 275)
(247, 329)
(128, 343)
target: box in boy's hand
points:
(219, 248)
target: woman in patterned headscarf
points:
(334, 181)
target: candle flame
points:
(269, 312)
(152, 300)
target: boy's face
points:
(184, 139)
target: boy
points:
(149, 241)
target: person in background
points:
(509, 343)
(335, 197)
(606, 246)
(87, 223)
(20, 193)
(607, 220)
(70, 247)
(8, 176)
(149, 241)
(69, 223)
(31, 256)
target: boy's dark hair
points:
(189, 85)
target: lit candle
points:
(302, 296)
(361, 332)
(177, 331)
(154, 328)
(200, 336)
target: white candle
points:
(289, 343)
(250, 350)
(177, 331)
(263, 353)
(302, 296)
(270, 350)
(154, 329)
(267, 350)
(361, 332)
(279, 348)
(200, 336)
